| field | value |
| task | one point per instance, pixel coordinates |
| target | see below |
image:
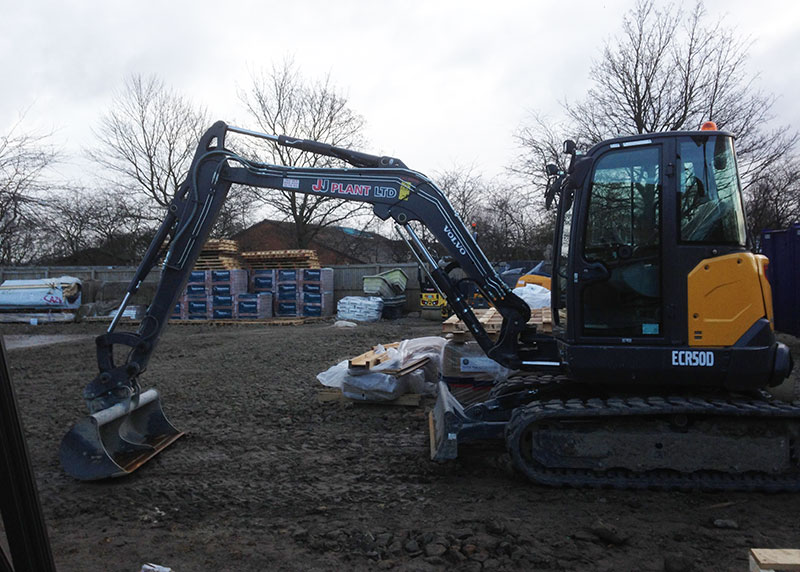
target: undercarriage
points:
(558, 432)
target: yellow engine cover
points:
(534, 279)
(725, 298)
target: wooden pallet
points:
(769, 559)
(266, 259)
(220, 254)
(298, 321)
(221, 245)
(218, 262)
(492, 320)
(371, 359)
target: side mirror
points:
(570, 147)
(552, 170)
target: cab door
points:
(616, 259)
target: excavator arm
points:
(394, 191)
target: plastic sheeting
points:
(359, 308)
(62, 293)
(376, 385)
(534, 295)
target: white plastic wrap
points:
(47, 293)
(534, 295)
(359, 308)
(367, 385)
(374, 385)
(468, 360)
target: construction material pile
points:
(231, 285)
(388, 371)
(390, 286)
(44, 300)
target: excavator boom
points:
(394, 191)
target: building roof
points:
(333, 244)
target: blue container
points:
(782, 247)
(222, 302)
(263, 283)
(196, 290)
(220, 275)
(221, 290)
(223, 314)
(197, 277)
(312, 297)
(197, 307)
(287, 292)
(248, 307)
(312, 274)
(286, 308)
(287, 275)
(312, 288)
(312, 309)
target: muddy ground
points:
(267, 478)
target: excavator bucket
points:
(118, 440)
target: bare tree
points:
(147, 141)
(76, 223)
(283, 102)
(465, 190)
(510, 226)
(671, 70)
(24, 159)
(774, 201)
(148, 137)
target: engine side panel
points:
(725, 299)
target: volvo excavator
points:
(656, 371)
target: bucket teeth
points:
(118, 440)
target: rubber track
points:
(661, 479)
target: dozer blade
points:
(450, 423)
(118, 440)
(444, 423)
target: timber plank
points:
(765, 559)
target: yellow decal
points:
(405, 190)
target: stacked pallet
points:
(492, 320)
(220, 254)
(212, 295)
(228, 284)
(301, 291)
(266, 259)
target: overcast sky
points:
(439, 83)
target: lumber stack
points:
(365, 362)
(266, 259)
(492, 320)
(220, 254)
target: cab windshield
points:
(710, 196)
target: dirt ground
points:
(267, 478)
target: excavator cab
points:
(663, 333)
(652, 259)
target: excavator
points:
(662, 350)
